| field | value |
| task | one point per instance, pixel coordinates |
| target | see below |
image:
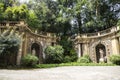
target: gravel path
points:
(64, 73)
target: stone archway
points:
(100, 52)
(36, 49)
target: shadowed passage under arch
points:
(36, 49)
(100, 53)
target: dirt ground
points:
(64, 73)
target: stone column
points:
(25, 44)
(86, 50)
(7, 24)
(79, 50)
(119, 43)
(19, 55)
(115, 46)
(0, 31)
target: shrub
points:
(67, 59)
(115, 59)
(118, 23)
(88, 57)
(68, 49)
(54, 54)
(29, 60)
(73, 55)
(84, 59)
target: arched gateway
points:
(100, 53)
(36, 49)
(32, 42)
(99, 45)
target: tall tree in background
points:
(99, 15)
(67, 17)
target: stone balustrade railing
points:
(100, 33)
(10, 23)
(15, 23)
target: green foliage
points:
(10, 13)
(46, 65)
(9, 42)
(73, 55)
(16, 12)
(115, 59)
(29, 60)
(118, 23)
(9, 46)
(1, 11)
(84, 59)
(72, 64)
(87, 56)
(1, 7)
(55, 16)
(68, 49)
(45, 17)
(54, 54)
(67, 59)
(91, 15)
(33, 21)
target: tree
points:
(69, 51)
(9, 45)
(16, 12)
(9, 13)
(33, 21)
(98, 15)
(20, 12)
(1, 11)
(45, 16)
(53, 16)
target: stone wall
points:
(86, 43)
(28, 38)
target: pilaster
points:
(19, 55)
(115, 46)
(79, 50)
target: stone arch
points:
(37, 50)
(93, 49)
(100, 52)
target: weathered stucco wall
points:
(28, 38)
(87, 43)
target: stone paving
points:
(64, 73)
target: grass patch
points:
(58, 65)
(46, 65)
(73, 64)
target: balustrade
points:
(14, 23)
(100, 33)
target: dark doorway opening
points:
(36, 50)
(100, 53)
